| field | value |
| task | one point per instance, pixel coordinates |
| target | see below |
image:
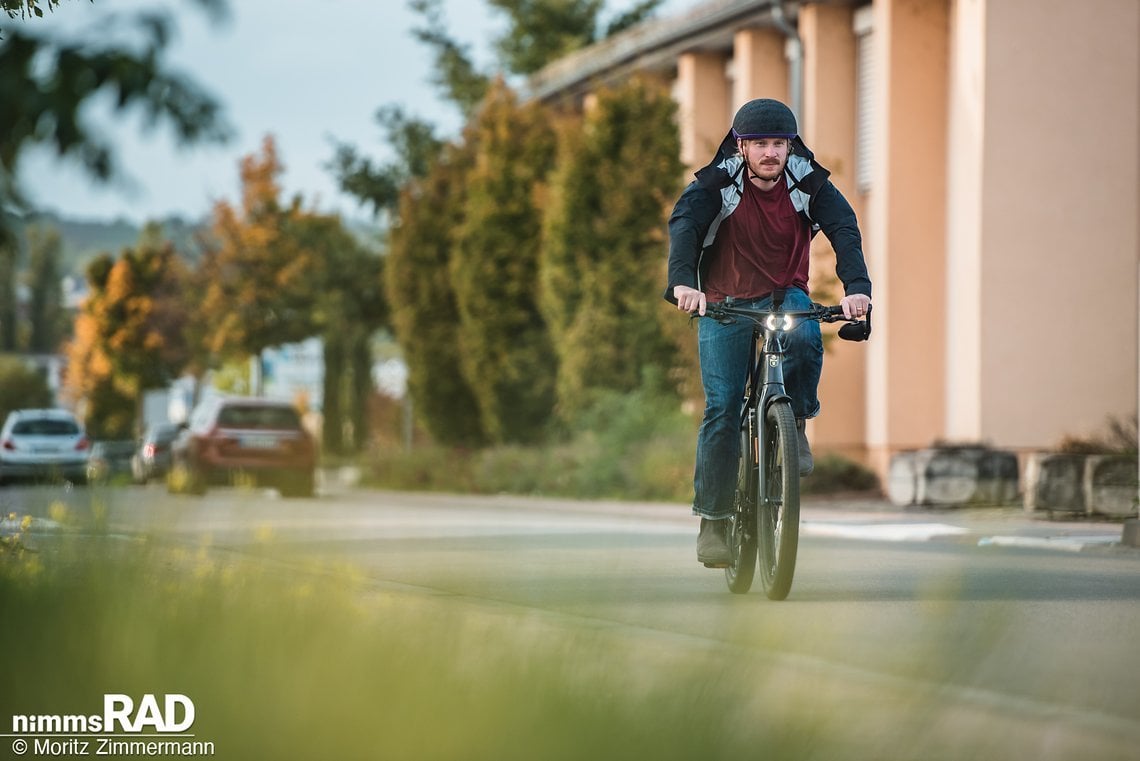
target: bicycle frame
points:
(765, 385)
(766, 363)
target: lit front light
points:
(773, 322)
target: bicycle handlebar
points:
(854, 330)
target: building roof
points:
(654, 46)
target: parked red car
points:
(260, 439)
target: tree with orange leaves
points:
(258, 273)
(129, 336)
(277, 273)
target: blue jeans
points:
(724, 351)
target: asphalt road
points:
(957, 634)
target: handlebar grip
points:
(857, 331)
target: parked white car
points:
(45, 443)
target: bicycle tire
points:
(778, 510)
(742, 524)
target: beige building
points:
(991, 149)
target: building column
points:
(828, 128)
(702, 95)
(907, 227)
(759, 66)
(964, 191)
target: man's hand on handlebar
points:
(690, 299)
(855, 306)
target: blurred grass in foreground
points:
(298, 664)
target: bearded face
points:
(765, 156)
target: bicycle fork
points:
(769, 384)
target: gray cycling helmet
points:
(764, 117)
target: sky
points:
(309, 79)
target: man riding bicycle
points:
(743, 229)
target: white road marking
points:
(1066, 543)
(888, 532)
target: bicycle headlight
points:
(773, 322)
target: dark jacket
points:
(716, 193)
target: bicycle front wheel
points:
(778, 502)
(742, 524)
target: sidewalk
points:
(876, 518)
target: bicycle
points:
(766, 514)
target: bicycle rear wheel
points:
(778, 502)
(742, 524)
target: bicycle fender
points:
(768, 402)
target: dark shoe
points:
(807, 464)
(712, 544)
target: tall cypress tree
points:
(45, 310)
(605, 236)
(9, 254)
(508, 356)
(424, 313)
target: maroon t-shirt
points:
(763, 245)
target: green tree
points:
(541, 31)
(45, 82)
(484, 318)
(349, 307)
(45, 308)
(9, 266)
(455, 73)
(537, 33)
(425, 317)
(278, 273)
(21, 387)
(544, 30)
(507, 354)
(604, 236)
(416, 148)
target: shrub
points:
(833, 474)
(1118, 437)
(21, 387)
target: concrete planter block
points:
(902, 479)
(1055, 483)
(966, 475)
(944, 479)
(999, 480)
(1110, 485)
(1130, 537)
(953, 475)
